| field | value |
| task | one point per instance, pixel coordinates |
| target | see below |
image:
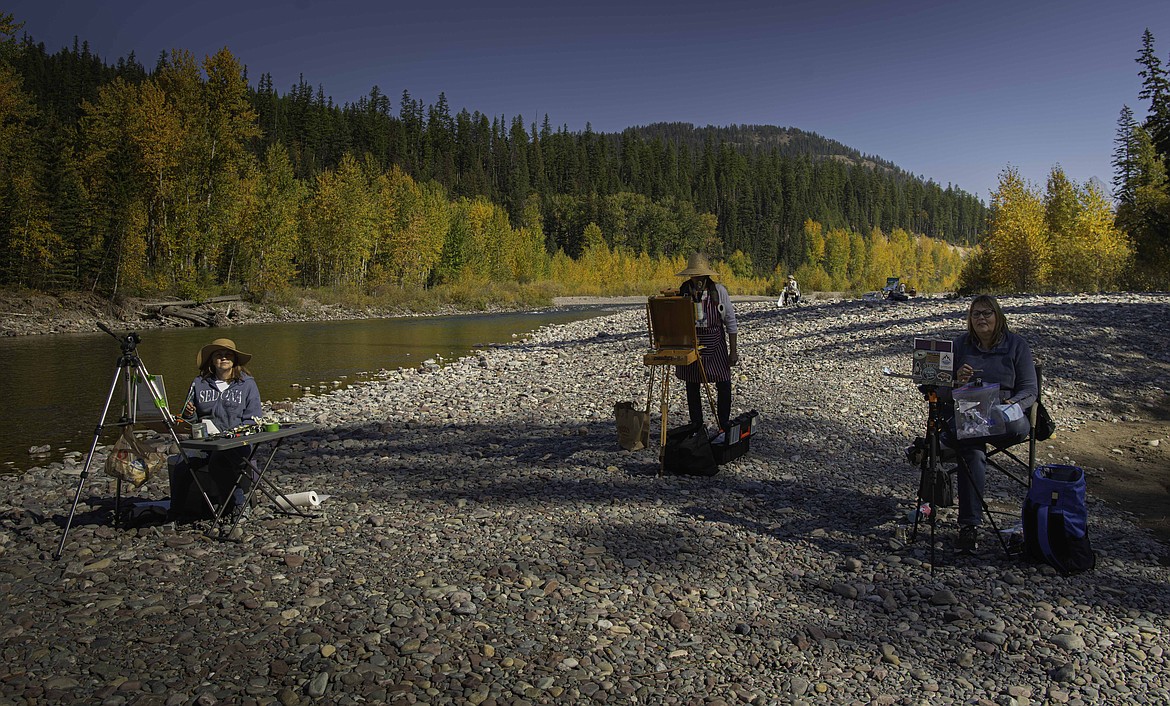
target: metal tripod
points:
(130, 371)
(927, 503)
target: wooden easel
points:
(671, 321)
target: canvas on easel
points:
(146, 407)
(672, 331)
(675, 340)
(934, 362)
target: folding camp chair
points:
(998, 457)
(1001, 459)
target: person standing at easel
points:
(716, 329)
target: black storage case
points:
(736, 440)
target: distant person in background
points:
(225, 393)
(992, 353)
(716, 328)
(791, 294)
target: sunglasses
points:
(982, 314)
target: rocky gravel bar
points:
(487, 542)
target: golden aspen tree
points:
(1066, 251)
(270, 230)
(531, 258)
(118, 207)
(836, 262)
(1109, 252)
(416, 243)
(1017, 241)
(902, 253)
(339, 227)
(190, 252)
(923, 275)
(814, 242)
(880, 259)
(857, 261)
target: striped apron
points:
(713, 344)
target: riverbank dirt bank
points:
(34, 313)
(487, 542)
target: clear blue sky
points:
(952, 91)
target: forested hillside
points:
(186, 176)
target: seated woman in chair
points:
(990, 352)
(225, 393)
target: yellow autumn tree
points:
(121, 190)
(814, 243)
(338, 227)
(1017, 239)
(412, 221)
(836, 262)
(267, 242)
(1104, 252)
(880, 260)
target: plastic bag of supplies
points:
(133, 460)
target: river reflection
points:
(58, 384)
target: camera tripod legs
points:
(129, 368)
(89, 459)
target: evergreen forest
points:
(187, 179)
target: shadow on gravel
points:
(582, 470)
(579, 470)
(100, 509)
(1066, 333)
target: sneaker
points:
(967, 538)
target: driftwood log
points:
(196, 312)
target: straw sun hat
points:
(221, 344)
(698, 266)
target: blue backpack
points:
(1056, 520)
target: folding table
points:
(260, 480)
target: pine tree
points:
(1155, 89)
(1125, 157)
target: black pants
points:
(217, 473)
(722, 402)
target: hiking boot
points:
(967, 538)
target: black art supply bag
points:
(688, 452)
(633, 426)
(935, 487)
(1045, 425)
(134, 460)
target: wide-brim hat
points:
(697, 266)
(221, 344)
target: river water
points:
(58, 385)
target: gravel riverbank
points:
(487, 542)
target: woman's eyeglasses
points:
(982, 314)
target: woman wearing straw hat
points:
(714, 317)
(226, 394)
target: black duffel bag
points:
(688, 452)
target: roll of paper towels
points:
(308, 498)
